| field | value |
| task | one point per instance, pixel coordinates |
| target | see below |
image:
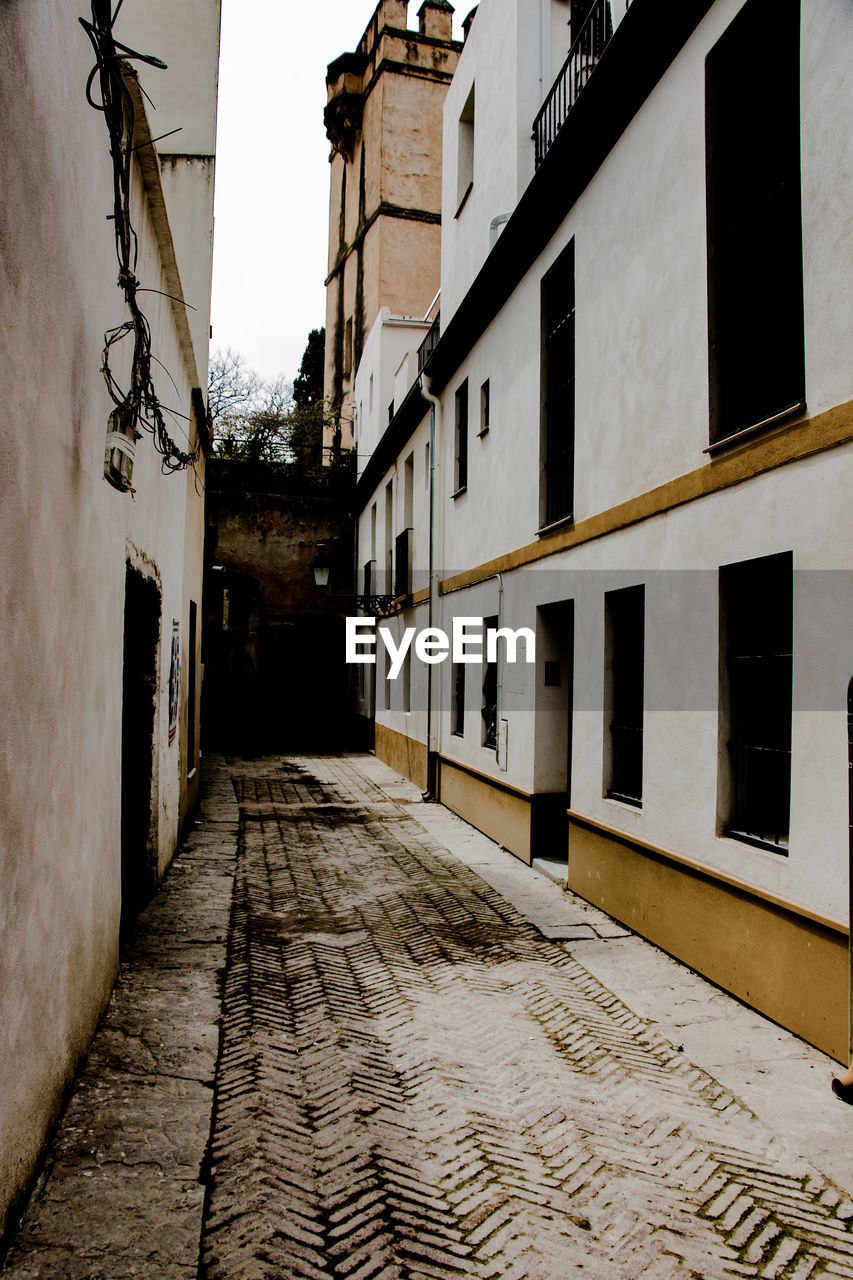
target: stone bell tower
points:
(384, 121)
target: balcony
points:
(427, 347)
(584, 54)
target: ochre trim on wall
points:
(789, 444)
(402, 754)
(711, 873)
(487, 778)
(788, 966)
(498, 810)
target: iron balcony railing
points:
(587, 47)
(427, 347)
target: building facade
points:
(634, 438)
(105, 279)
(384, 121)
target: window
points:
(348, 348)
(409, 491)
(558, 389)
(461, 470)
(407, 681)
(591, 22)
(465, 152)
(457, 700)
(756, 642)
(755, 259)
(388, 586)
(383, 667)
(624, 640)
(489, 708)
(484, 407)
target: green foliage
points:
(257, 421)
(308, 383)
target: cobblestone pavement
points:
(412, 1082)
(121, 1195)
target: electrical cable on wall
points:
(138, 406)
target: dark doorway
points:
(138, 845)
(555, 632)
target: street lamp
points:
(372, 603)
(320, 566)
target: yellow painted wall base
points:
(403, 755)
(500, 813)
(790, 968)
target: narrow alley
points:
(413, 1077)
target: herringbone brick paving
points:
(413, 1083)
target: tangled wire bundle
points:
(139, 406)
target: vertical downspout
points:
(544, 48)
(435, 546)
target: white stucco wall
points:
(501, 59)
(66, 535)
(380, 379)
(641, 306)
(642, 420)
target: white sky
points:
(272, 172)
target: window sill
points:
(484, 432)
(457, 493)
(464, 199)
(743, 837)
(627, 801)
(785, 418)
(563, 523)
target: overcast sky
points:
(272, 172)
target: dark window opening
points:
(489, 708)
(756, 621)
(625, 626)
(457, 708)
(465, 153)
(591, 24)
(558, 388)
(192, 676)
(755, 258)
(461, 471)
(484, 407)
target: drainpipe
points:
(498, 221)
(544, 48)
(436, 540)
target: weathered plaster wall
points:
(66, 534)
(276, 671)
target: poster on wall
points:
(174, 679)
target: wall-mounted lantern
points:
(321, 566)
(120, 449)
